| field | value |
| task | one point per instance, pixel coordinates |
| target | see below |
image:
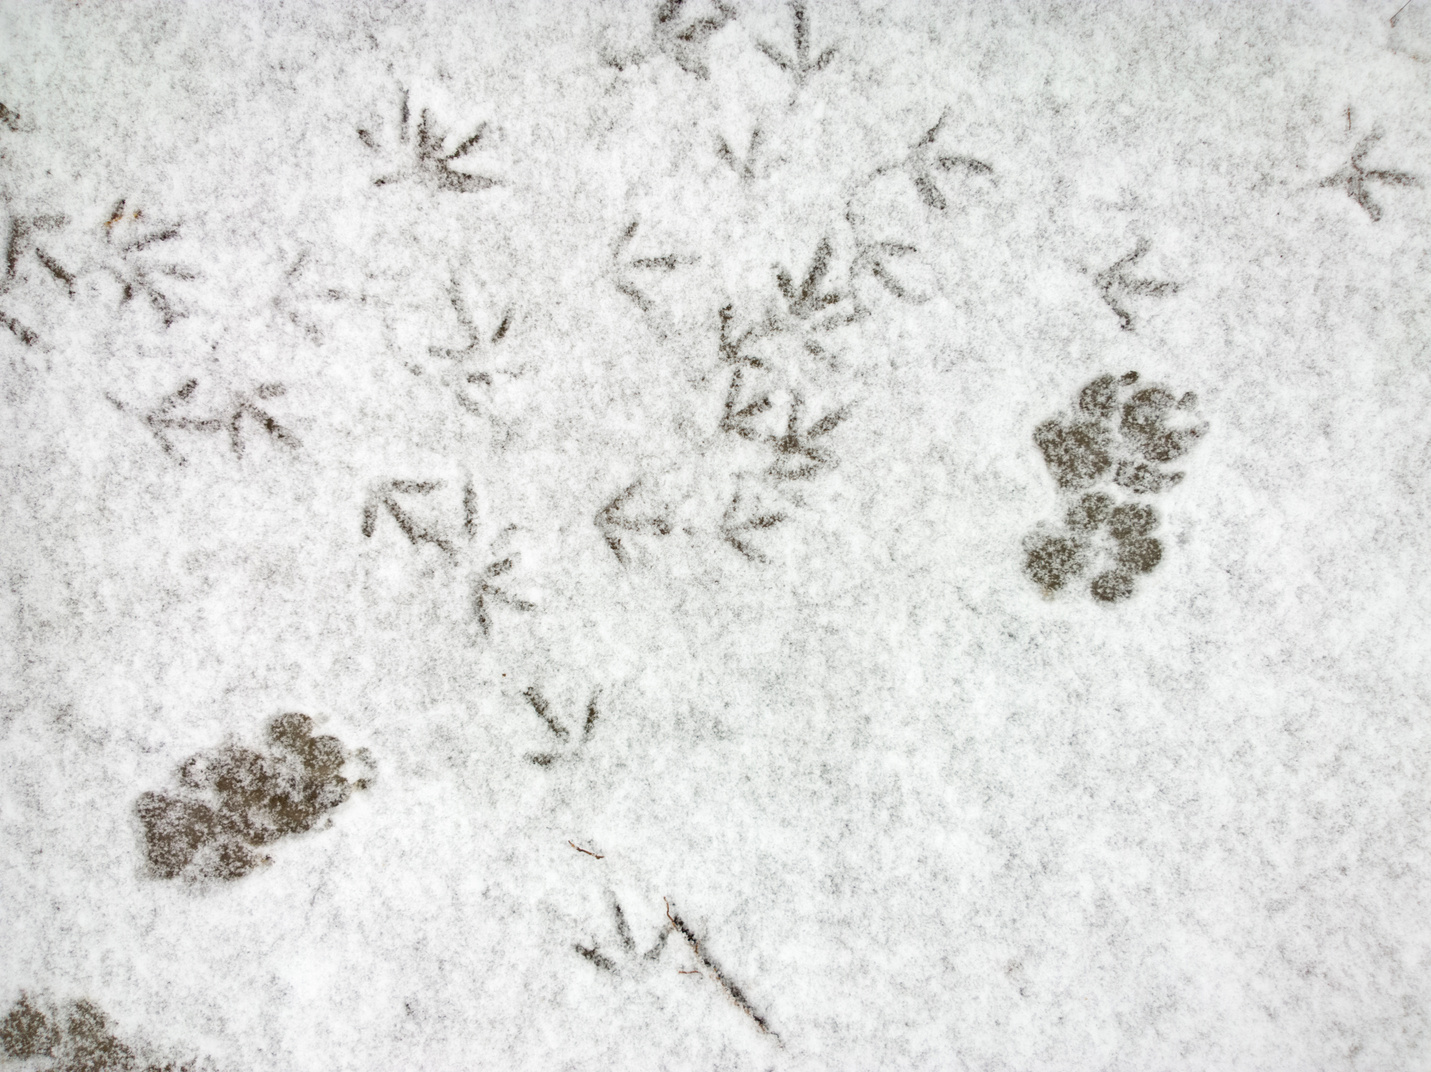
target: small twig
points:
(588, 852)
(732, 991)
(691, 972)
(1399, 10)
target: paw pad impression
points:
(76, 1038)
(236, 799)
(1120, 436)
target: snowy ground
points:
(680, 460)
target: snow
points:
(614, 424)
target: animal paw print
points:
(236, 800)
(78, 1038)
(21, 244)
(1111, 540)
(618, 517)
(738, 530)
(766, 402)
(683, 34)
(798, 454)
(1118, 436)
(628, 272)
(1126, 435)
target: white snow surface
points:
(291, 384)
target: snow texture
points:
(715, 534)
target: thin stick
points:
(588, 852)
(732, 991)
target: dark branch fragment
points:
(732, 991)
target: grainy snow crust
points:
(622, 536)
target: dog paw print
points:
(566, 747)
(1121, 436)
(1120, 433)
(235, 800)
(1108, 540)
(77, 1038)
(431, 162)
